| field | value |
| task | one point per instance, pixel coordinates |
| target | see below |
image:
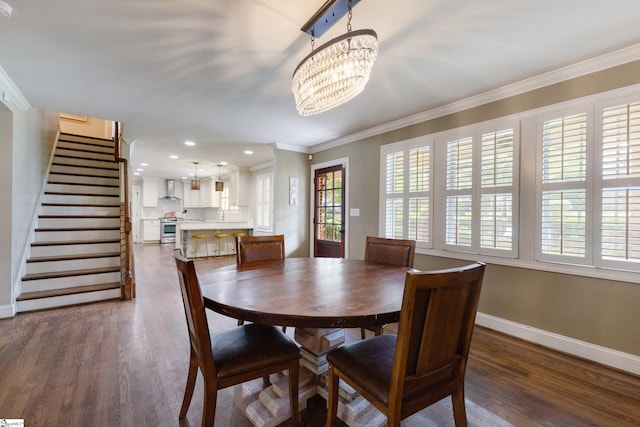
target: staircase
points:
(75, 254)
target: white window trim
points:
(405, 146)
(440, 192)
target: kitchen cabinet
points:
(150, 230)
(206, 197)
(239, 188)
(150, 192)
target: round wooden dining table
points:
(317, 296)
(307, 292)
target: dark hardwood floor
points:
(125, 364)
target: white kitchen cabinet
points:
(206, 197)
(150, 193)
(151, 230)
(239, 188)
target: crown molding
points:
(10, 95)
(592, 65)
(287, 147)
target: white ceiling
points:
(218, 72)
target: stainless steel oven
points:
(168, 230)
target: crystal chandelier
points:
(336, 72)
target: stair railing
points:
(127, 273)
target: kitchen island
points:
(209, 244)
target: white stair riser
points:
(84, 179)
(63, 300)
(80, 210)
(95, 148)
(60, 250)
(81, 170)
(61, 151)
(82, 189)
(96, 163)
(78, 222)
(69, 282)
(89, 200)
(67, 236)
(72, 264)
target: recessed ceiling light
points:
(140, 170)
(137, 173)
(189, 143)
(248, 152)
(224, 163)
(144, 164)
(173, 156)
(183, 177)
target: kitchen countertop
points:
(211, 225)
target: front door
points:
(328, 216)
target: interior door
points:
(328, 217)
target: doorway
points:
(329, 191)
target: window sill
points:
(574, 270)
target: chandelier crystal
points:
(334, 73)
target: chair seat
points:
(372, 373)
(235, 350)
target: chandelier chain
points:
(349, 17)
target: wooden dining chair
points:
(380, 250)
(402, 374)
(231, 357)
(257, 250)
(252, 251)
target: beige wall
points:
(598, 311)
(292, 221)
(87, 126)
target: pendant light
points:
(219, 183)
(195, 182)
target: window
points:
(459, 193)
(406, 175)
(563, 199)
(480, 191)
(264, 191)
(619, 185)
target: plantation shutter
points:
(564, 197)
(620, 238)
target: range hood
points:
(170, 186)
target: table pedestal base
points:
(270, 407)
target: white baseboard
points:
(7, 311)
(606, 356)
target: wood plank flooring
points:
(125, 363)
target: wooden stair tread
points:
(75, 242)
(88, 184)
(66, 193)
(94, 138)
(73, 257)
(67, 291)
(78, 216)
(98, 205)
(77, 229)
(69, 273)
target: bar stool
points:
(237, 234)
(219, 237)
(199, 239)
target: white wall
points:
(6, 130)
(26, 149)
